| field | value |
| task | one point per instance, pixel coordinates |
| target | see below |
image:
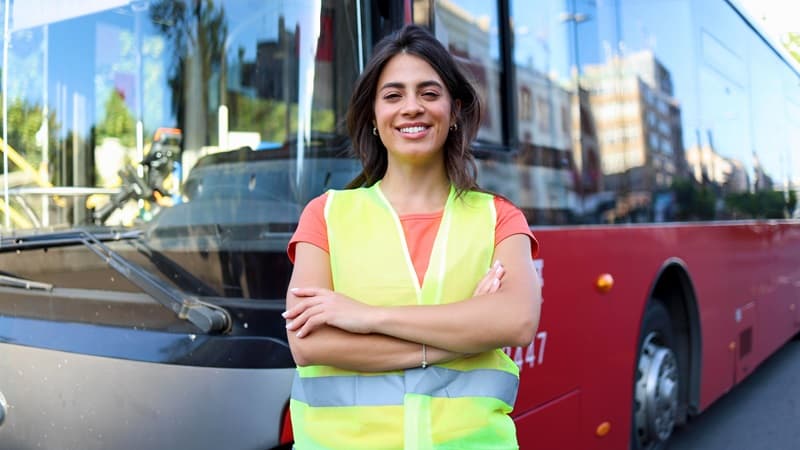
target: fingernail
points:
(496, 263)
(293, 290)
(288, 324)
(495, 282)
(283, 314)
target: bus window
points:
(470, 31)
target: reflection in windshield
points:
(132, 130)
(628, 111)
(623, 111)
(207, 125)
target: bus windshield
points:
(171, 96)
(208, 125)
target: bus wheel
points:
(655, 400)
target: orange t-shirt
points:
(419, 229)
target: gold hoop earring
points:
(374, 131)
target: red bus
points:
(652, 145)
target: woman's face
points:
(412, 110)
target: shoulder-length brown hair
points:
(417, 41)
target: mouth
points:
(413, 130)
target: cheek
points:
(382, 117)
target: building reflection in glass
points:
(617, 119)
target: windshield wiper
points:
(17, 282)
(206, 316)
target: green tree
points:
(761, 204)
(268, 118)
(695, 201)
(118, 121)
(196, 31)
(24, 122)
(791, 202)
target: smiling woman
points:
(413, 118)
(392, 311)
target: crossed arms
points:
(328, 328)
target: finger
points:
(295, 310)
(490, 282)
(499, 272)
(299, 308)
(309, 292)
(483, 285)
(311, 324)
(495, 285)
(298, 322)
(486, 282)
(296, 318)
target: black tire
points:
(656, 381)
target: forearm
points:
(498, 315)
(362, 352)
(505, 316)
(470, 326)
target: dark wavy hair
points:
(417, 41)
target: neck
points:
(413, 190)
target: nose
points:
(412, 106)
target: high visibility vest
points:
(462, 404)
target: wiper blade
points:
(17, 282)
(61, 238)
(208, 317)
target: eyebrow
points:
(423, 84)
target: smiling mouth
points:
(411, 130)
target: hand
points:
(324, 307)
(491, 281)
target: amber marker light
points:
(604, 283)
(603, 429)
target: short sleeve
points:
(511, 221)
(311, 227)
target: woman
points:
(395, 312)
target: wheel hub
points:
(656, 395)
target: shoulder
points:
(314, 211)
(317, 204)
(311, 227)
(504, 207)
(510, 221)
(348, 194)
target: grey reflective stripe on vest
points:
(383, 390)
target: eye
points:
(391, 96)
(430, 94)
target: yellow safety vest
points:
(463, 404)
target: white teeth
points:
(412, 129)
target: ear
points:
(456, 110)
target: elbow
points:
(300, 360)
(524, 334)
(301, 354)
(526, 325)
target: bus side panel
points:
(62, 400)
(595, 335)
(591, 337)
(535, 428)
